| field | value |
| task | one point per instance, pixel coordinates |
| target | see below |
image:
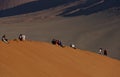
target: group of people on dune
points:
(102, 52)
(21, 37)
(59, 43)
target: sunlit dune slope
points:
(38, 59)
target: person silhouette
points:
(105, 52)
(60, 43)
(54, 41)
(20, 37)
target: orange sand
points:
(38, 59)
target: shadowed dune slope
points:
(5, 4)
(34, 6)
(62, 7)
(38, 59)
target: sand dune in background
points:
(38, 59)
(5, 4)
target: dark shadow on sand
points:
(87, 9)
(33, 7)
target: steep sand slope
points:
(38, 59)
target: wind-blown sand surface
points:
(39, 59)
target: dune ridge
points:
(39, 59)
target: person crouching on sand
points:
(73, 46)
(21, 37)
(54, 41)
(60, 43)
(4, 39)
(57, 42)
(100, 51)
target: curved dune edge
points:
(39, 59)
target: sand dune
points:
(87, 32)
(90, 24)
(39, 59)
(5, 4)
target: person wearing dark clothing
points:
(54, 41)
(105, 52)
(20, 37)
(60, 43)
(57, 42)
